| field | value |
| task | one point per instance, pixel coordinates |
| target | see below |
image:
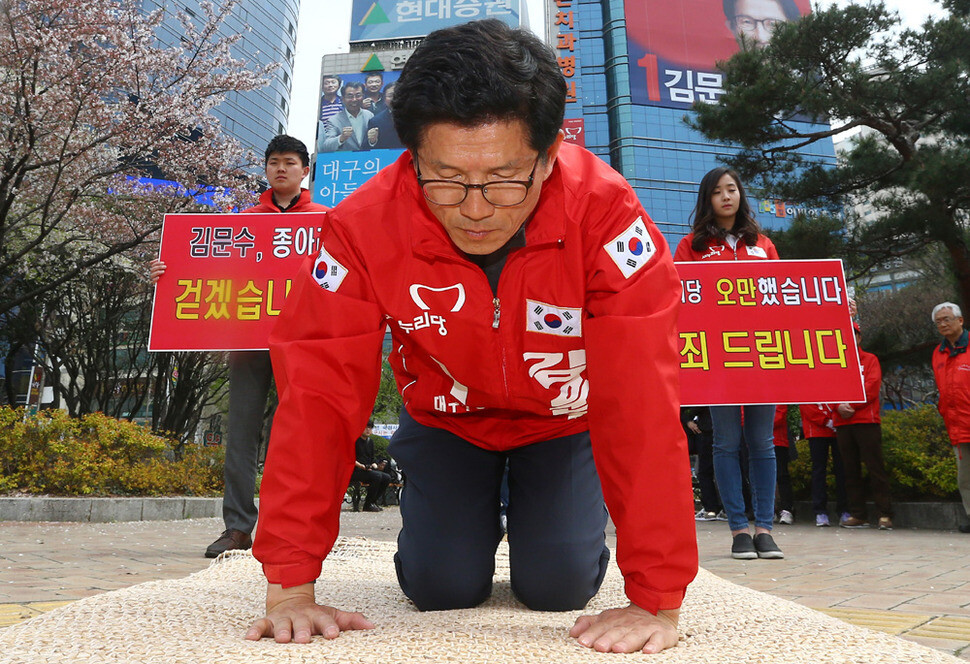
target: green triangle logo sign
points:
(373, 64)
(374, 16)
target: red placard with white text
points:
(769, 332)
(226, 277)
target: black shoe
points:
(371, 507)
(964, 529)
(743, 547)
(228, 540)
(766, 546)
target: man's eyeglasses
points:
(946, 320)
(750, 24)
(450, 193)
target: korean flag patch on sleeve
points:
(327, 271)
(631, 249)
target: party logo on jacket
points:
(451, 298)
(714, 251)
(548, 319)
(631, 249)
(327, 271)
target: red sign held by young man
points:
(227, 276)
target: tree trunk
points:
(961, 267)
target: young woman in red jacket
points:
(724, 230)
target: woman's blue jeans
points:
(757, 433)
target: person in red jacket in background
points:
(819, 428)
(951, 369)
(859, 433)
(786, 501)
(287, 163)
(724, 229)
(533, 309)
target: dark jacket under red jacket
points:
(951, 369)
(303, 204)
(817, 420)
(581, 336)
(718, 250)
(867, 412)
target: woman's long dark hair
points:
(705, 223)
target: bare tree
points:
(95, 333)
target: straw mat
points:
(202, 618)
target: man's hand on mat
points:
(630, 629)
(293, 615)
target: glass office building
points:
(268, 32)
(634, 67)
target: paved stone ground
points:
(913, 583)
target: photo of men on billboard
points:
(673, 46)
(356, 112)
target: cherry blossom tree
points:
(89, 102)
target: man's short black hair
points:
(333, 76)
(284, 143)
(480, 72)
(351, 84)
(788, 7)
(370, 424)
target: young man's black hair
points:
(451, 78)
(284, 143)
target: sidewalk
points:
(913, 583)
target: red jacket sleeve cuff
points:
(653, 601)
(293, 574)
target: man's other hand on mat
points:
(630, 629)
(292, 614)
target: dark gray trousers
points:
(450, 512)
(250, 373)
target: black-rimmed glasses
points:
(450, 193)
(749, 24)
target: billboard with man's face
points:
(355, 132)
(673, 46)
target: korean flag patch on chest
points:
(557, 321)
(631, 249)
(327, 271)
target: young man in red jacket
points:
(533, 308)
(858, 430)
(250, 372)
(951, 369)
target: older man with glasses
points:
(951, 369)
(754, 21)
(533, 306)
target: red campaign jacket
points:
(716, 250)
(303, 204)
(817, 420)
(868, 412)
(952, 374)
(582, 335)
(780, 426)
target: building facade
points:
(268, 32)
(632, 98)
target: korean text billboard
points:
(375, 20)
(674, 44)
